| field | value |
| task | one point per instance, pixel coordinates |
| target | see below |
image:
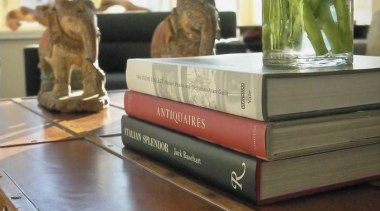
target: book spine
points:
(238, 133)
(226, 169)
(231, 92)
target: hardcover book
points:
(240, 84)
(267, 140)
(247, 177)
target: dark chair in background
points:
(125, 36)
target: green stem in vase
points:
(329, 27)
(274, 27)
(284, 17)
(286, 21)
(344, 24)
(266, 39)
(273, 23)
(314, 5)
(296, 23)
(312, 30)
(275, 20)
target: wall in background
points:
(375, 5)
(12, 77)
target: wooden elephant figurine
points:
(70, 43)
(190, 30)
(73, 44)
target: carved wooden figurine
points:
(71, 43)
(190, 30)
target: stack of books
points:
(262, 134)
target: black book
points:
(247, 177)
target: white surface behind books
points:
(239, 84)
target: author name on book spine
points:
(161, 146)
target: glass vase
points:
(307, 33)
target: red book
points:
(235, 132)
(268, 140)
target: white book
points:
(240, 84)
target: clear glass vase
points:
(307, 33)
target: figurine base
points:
(73, 103)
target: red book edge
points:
(238, 133)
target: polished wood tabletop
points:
(53, 161)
